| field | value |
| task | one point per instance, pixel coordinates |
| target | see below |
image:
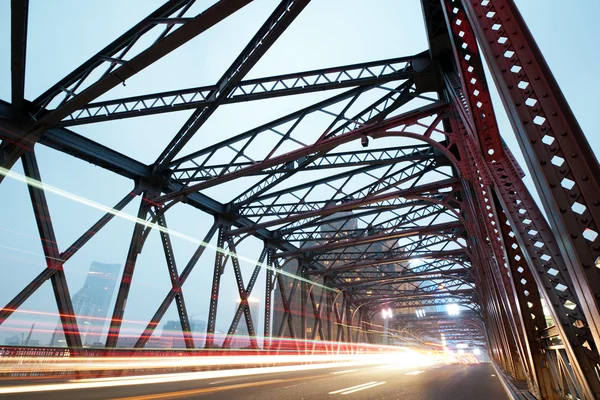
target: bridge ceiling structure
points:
(393, 190)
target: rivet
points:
(574, 235)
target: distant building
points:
(15, 340)
(172, 334)
(91, 304)
(242, 338)
(127, 342)
(254, 305)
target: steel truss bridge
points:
(432, 181)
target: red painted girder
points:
(374, 130)
(564, 167)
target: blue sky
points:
(65, 33)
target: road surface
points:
(387, 381)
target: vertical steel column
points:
(317, 311)
(51, 252)
(218, 270)
(135, 248)
(286, 300)
(348, 318)
(303, 300)
(175, 290)
(268, 292)
(244, 307)
(328, 305)
(174, 276)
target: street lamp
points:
(386, 314)
(452, 309)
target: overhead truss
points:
(409, 200)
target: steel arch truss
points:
(409, 200)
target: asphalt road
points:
(447, 382)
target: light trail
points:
(317, 362)
(49, 365)
(109, 210)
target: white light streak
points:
(90, 203)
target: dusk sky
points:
(65, 33)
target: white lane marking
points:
(364, 387)
(414, 372)
(493, 375)
(352, 387)
(344, 372)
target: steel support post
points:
(303, 299)
(244, 308)
(18, 32)
(328, 307)
(135, 248)
(175, 282)
(244, 293)
(349, 327)
(175, 290)
(317, 312)
(269, 284)
(287, 301)
(46, 230)
(218, 270)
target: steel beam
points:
(218, 270)
(275, 25)
(18, 32)
(135, 248)
(364, 74)
(564, 168)
(73, 100)
(50, 246)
